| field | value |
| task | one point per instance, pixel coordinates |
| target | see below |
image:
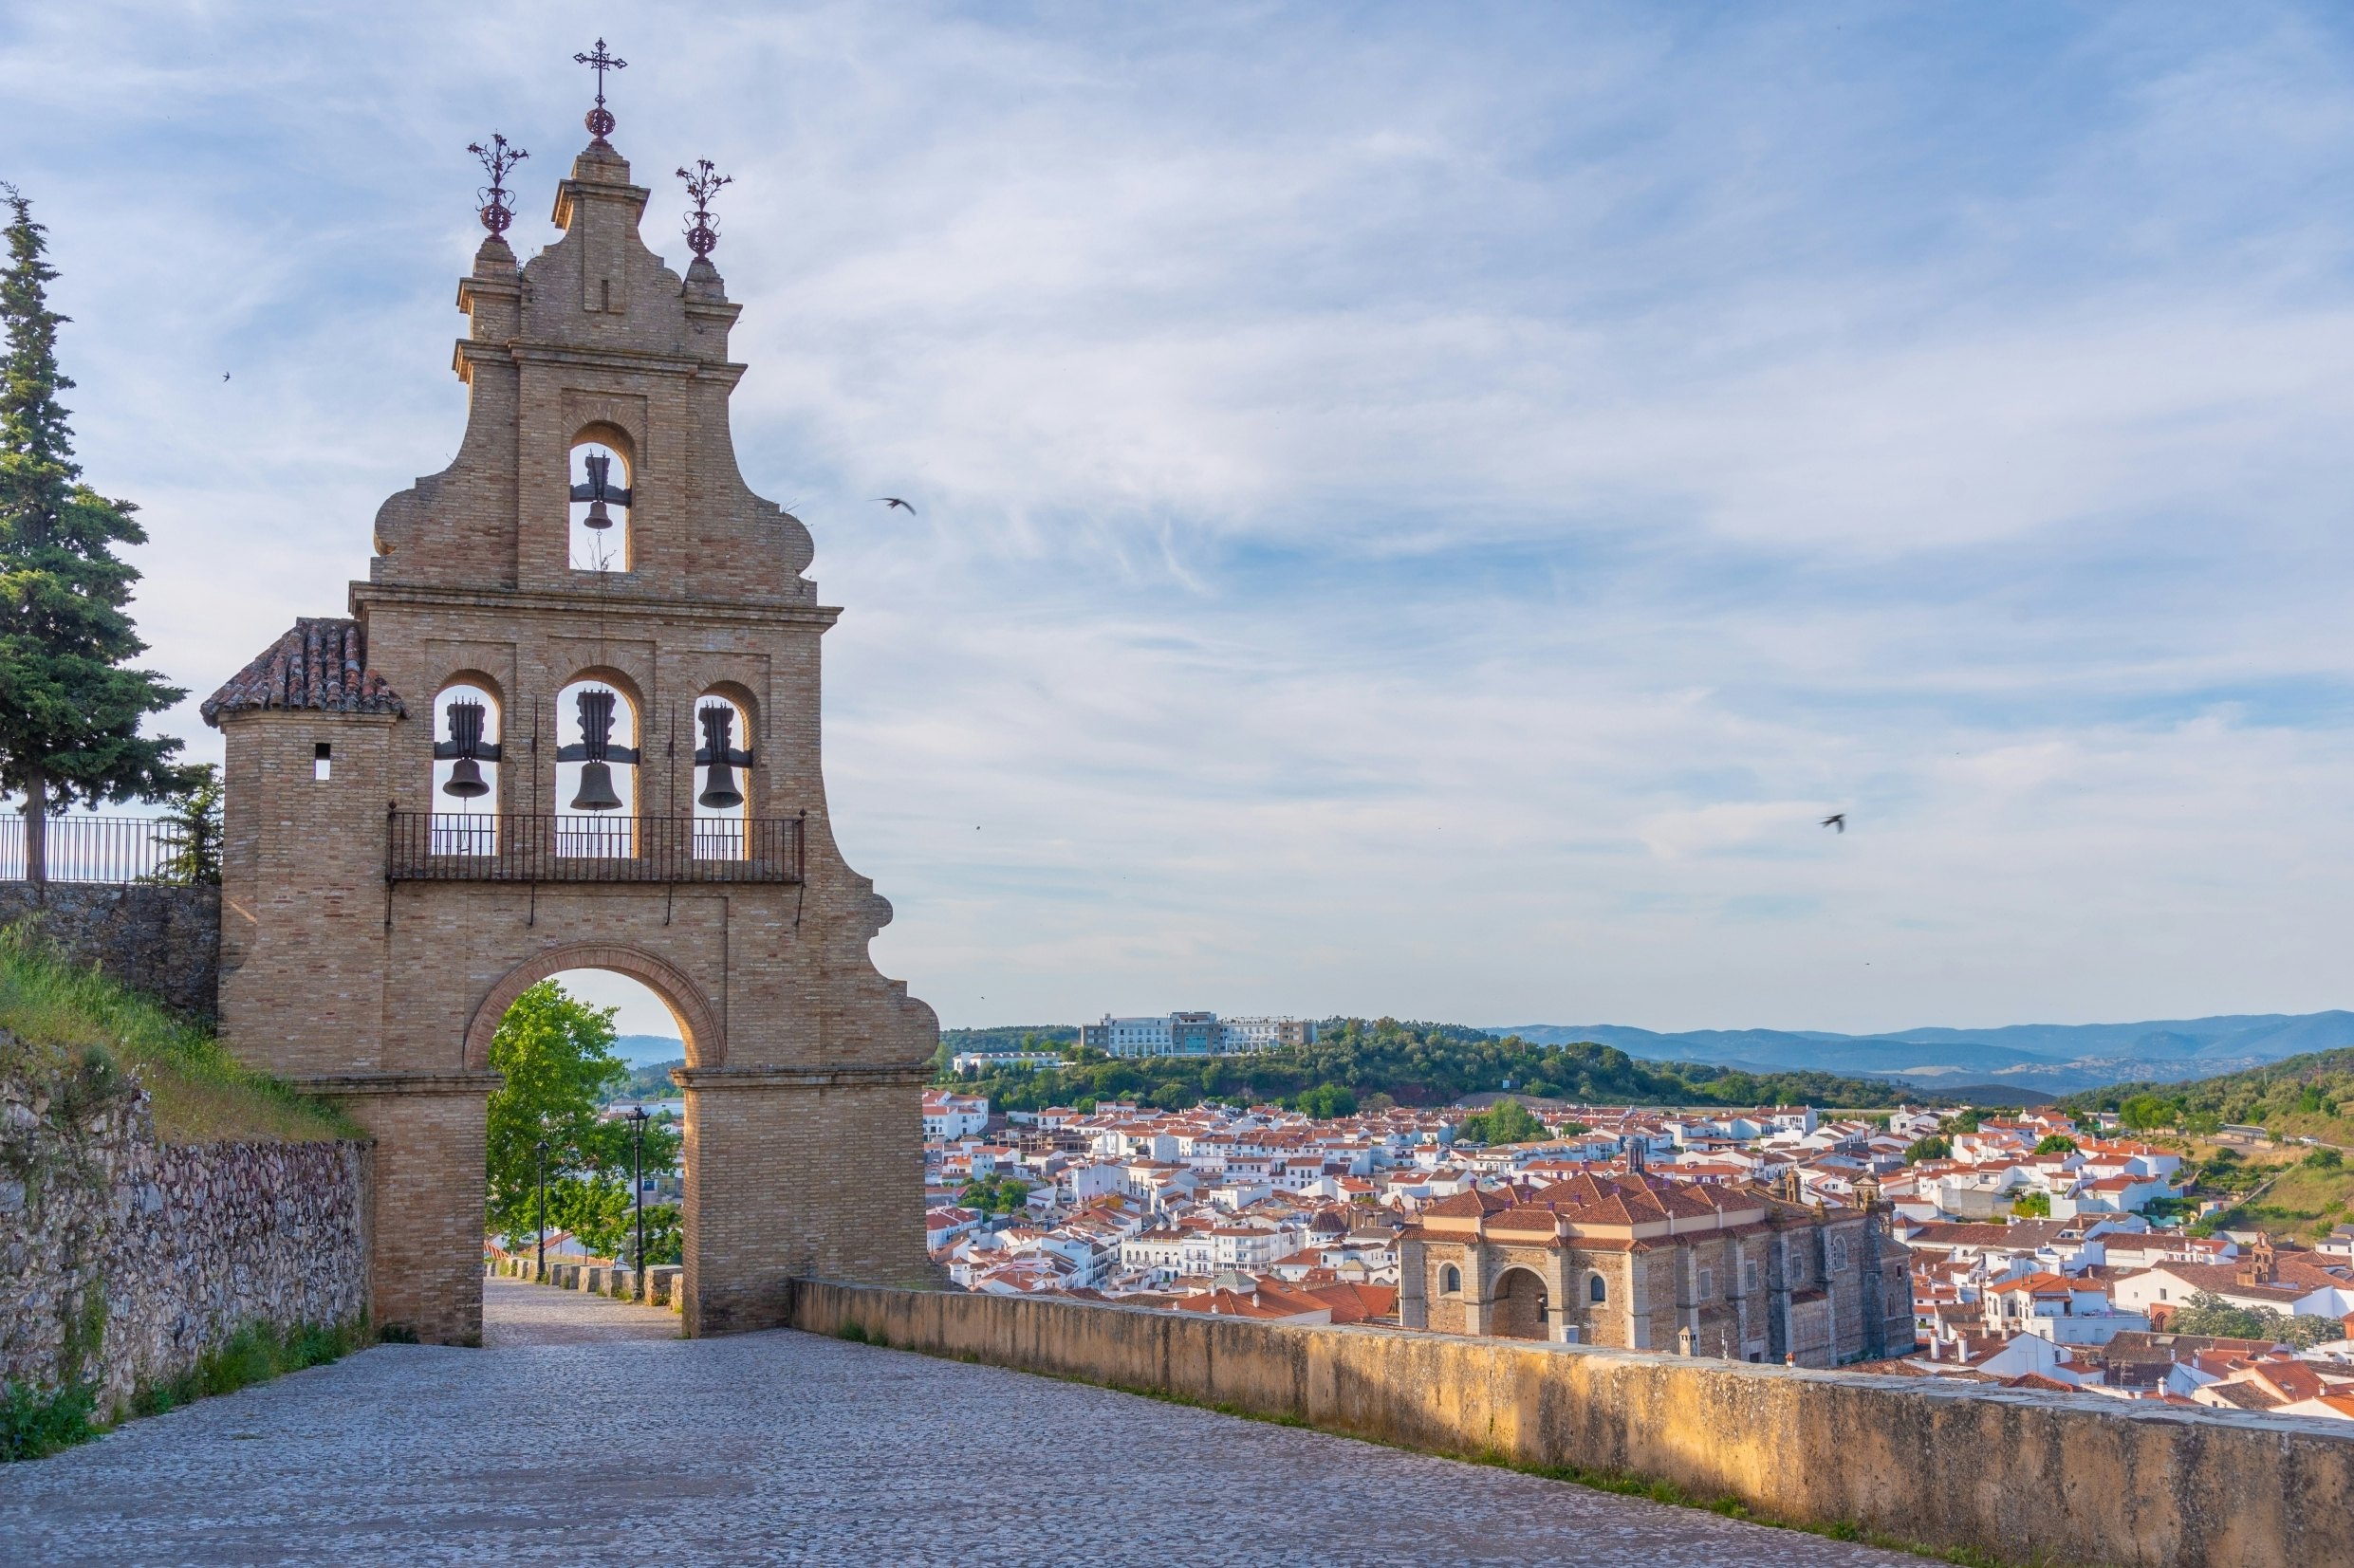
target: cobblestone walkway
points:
(583, 1437)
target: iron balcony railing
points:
(447, 847)
(100, 849)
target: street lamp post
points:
(540, 1148)
(638, 1191)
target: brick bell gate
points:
(573, 722)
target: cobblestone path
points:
(582, 1435)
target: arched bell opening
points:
(466, 754)
(601, 492)
(597, 781)
(722, 783)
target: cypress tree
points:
(69, 710)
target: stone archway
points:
(1520, 1305)
(698, 1023)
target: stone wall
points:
(163, 940)
(2050, 1479)
(132, 1258)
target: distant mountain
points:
(2050, 1058)
(649, 1050)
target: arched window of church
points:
(1451, 1280)
(596, 770)
(1596, 1291)
(602, 493)
(723, 757)
(466, 769)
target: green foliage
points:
(2208, 1314)
(193, 828)
(556, 1053)
(69, 712)
(2324, 1159)
(34, 1423)
(2055, 1143)
(995, 1194)
(1933, 1146)
(1506, 1121)
(2032, 1205)
(84, 1034)
(1964, 1120)
(1328, 1100)
(2300, 1096)
(1410, 1064)
(255, 1354)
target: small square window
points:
(322, 760)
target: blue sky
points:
(1421, 509)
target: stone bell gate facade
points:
(416, 818)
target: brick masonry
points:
(805, 1064)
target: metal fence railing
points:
(97, 849)
(447, 847)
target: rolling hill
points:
(2045, 1058)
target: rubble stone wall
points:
(162, 940)
(2020, 1476)
(123, 1261)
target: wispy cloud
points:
(1420, 514)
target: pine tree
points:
(70, 711)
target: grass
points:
(2301, 1201)
(1604, 1481)
(33, 1426)
(81, 1031)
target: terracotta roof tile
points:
(320, 665)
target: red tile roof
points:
(321, 666)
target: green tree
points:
(1931, 1148)
(556, 1053)
(2324, 1159)
(192, 830)
(2145, 1113)
(995, 1194)
(2032, 1205)
(2055, 1143)
(1506, 1121)
(1328, 1100)
(70, 711)
(2208, 1314)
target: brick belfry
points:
(514, 760)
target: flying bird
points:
(1837, 820)
(891, 501)
(224, 375)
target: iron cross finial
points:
(496, 159)
(598, 119)
(702, 228)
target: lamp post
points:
(540, 1148)
(637, 1192)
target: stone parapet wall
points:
(123, 1260)
(162, 940)
(2024, 1477)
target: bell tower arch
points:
(618, 766)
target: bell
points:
(595, 793)
(597, 517)
(466, 739)
(466, 779)
(719, 791)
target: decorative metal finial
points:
(599, 121)
(496, 158)
(702, 228)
